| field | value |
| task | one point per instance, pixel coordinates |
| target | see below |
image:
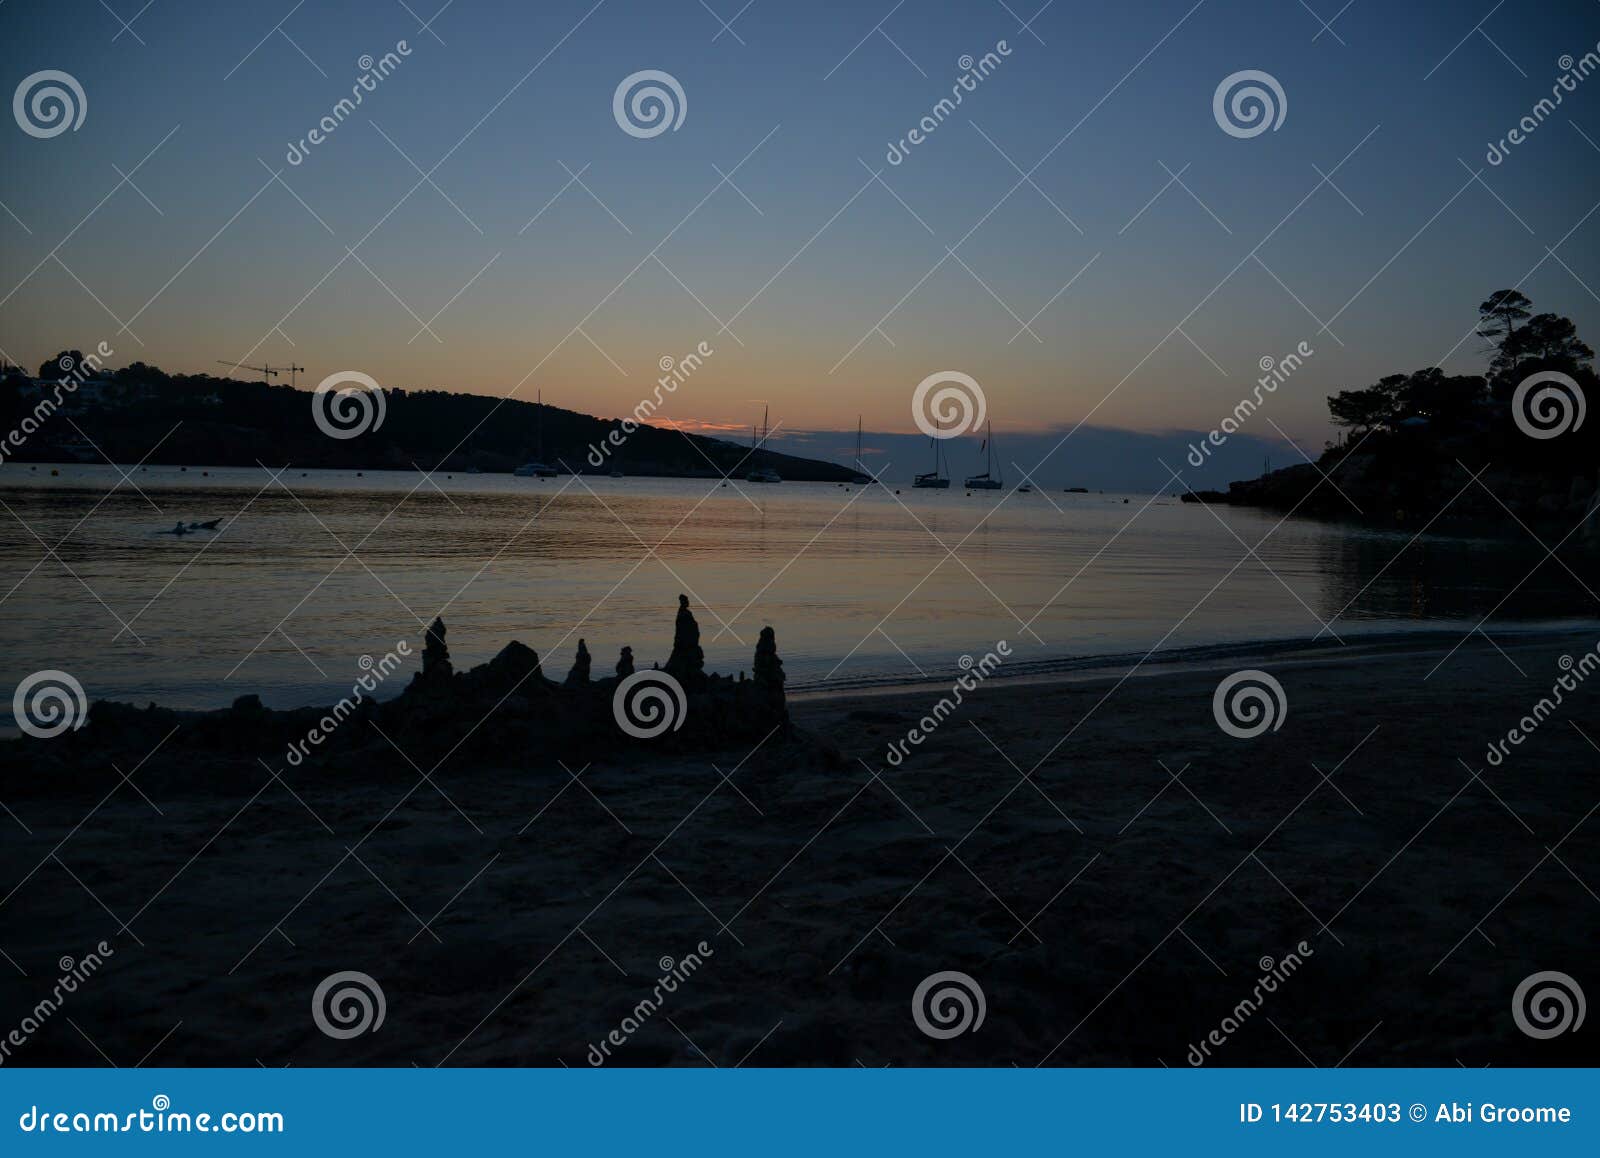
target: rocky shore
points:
(1406, 483)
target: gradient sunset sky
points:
(1162, 329)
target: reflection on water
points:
(860, 583)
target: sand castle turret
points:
(435, 655)
(687, 663)
(767, 669)
(580, 666)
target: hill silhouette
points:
(206, 420)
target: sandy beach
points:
(1108, 865)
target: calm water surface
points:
(311, 573)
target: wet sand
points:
(1102, 859)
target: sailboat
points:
(761, 474)
(935, 478)
(860, 478)
(538, 468)
(988, 480)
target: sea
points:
(313, 576)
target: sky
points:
(1080, 236)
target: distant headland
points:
(204, 420)
(1434, 449)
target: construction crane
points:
(268, 370)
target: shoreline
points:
(1302, 651)
(1297, 651)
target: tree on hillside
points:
(1498, 316)
(1364, 410)
(140, 372)
(1443, 399)
(61, 365)
(1544, 342)
(1523, 342)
